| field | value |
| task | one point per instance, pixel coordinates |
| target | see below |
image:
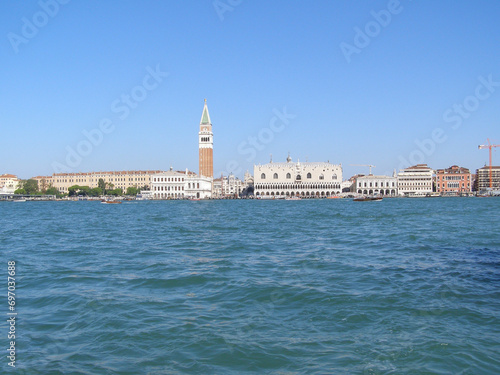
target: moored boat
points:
(367, 199)
(110, 202)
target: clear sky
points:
(386, 83)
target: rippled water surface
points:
(285, 287)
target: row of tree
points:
(30, 187)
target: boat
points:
(110, 202)
(333, 197)
(367, 199)
(19, 200)
(432, 195)
(293, 198)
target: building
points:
(248, 180)
(206, 145)
(44, 182)
(199, 187)
(180, 185)
(483, 178)
(379, 185)
(8, 183)
(454, 180)
(229, 186)
(114, 180)
(416, 180)
(169, 185)
(297, 179)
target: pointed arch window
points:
(288, 175)
(263, 176)
(275, 176)
(321, 176)
(309, 175)
(299, 177)
(334, 177)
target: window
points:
(275, 176)
(321, 176)
(263, 176)
(288, 175)
(299, 177)
(334, 177)
(309, 175)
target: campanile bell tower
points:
(206, 144)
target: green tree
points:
(73, 190)
(20, 191)
(78, 190)
(131, 190)
(96, 192)
(102, 185)
(115, 192)
(84, 190)
(52, 191)
(30, 186)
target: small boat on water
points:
(19, 200)
(110, 202)
(295, 198)
(367, 199)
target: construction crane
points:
(489, 146)
(363, 165)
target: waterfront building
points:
(8, 183)
(198, 186)
(206, 145)
(454, 180)
(248, 180)
(350, 184)
(180, 185)
(114, 180)
(169, 185)
(483, 178)
(309, 179)
(378, 185)
(44, 182)
(217, 186)
(229, 186)
(415, 181)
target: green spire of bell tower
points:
(205, 117)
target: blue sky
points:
(422, 85)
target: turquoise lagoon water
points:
(401, 286)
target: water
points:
(255, 287)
